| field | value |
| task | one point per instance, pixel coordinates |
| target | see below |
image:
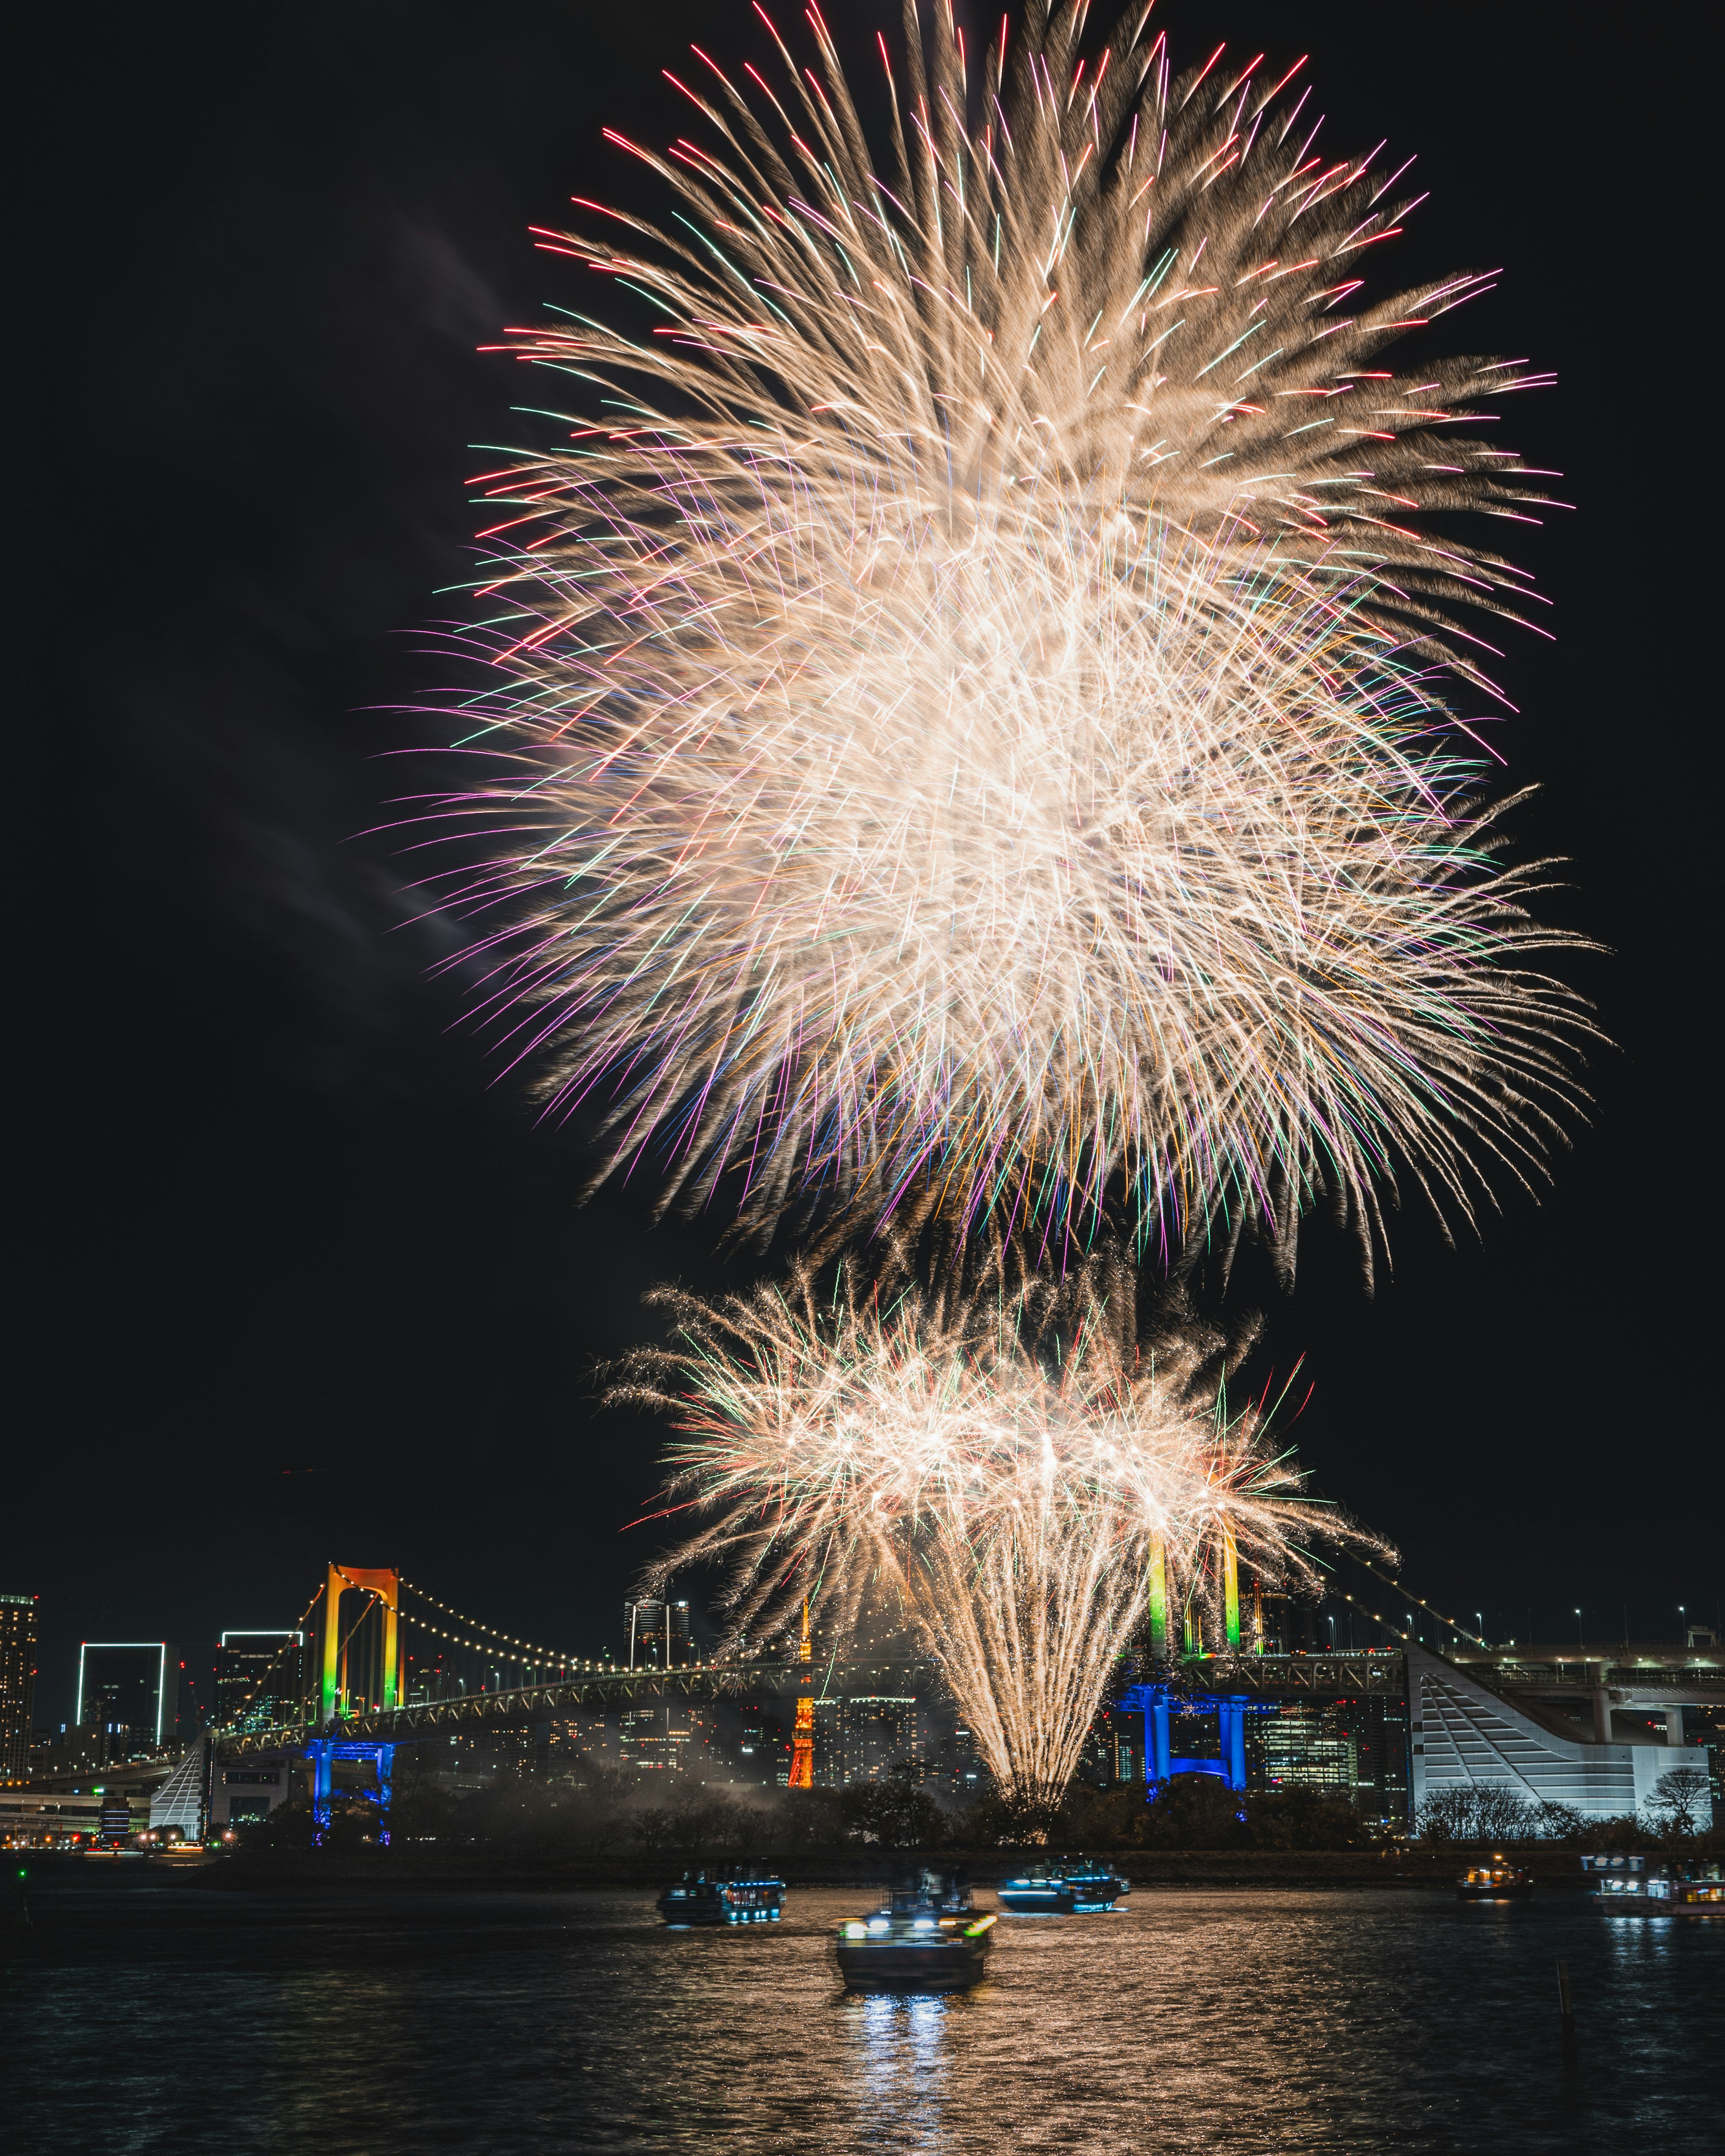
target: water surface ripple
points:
(354, 2022)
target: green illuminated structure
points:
(384, 1586)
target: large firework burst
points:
(965, 705)
(1013, 1477)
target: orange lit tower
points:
(384, 1587)
(802, 1741)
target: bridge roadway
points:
(421, 1719)
(1637, 1675)
(1378, 1671)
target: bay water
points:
(352, 2021)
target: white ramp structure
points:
(180, 1800)
(1465, 1737)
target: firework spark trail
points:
(970, 710)
(1002, 1482)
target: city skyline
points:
(1334, 1624)
(1386, 1732)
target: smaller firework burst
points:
(1009, 1471)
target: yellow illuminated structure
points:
(1230, 1590)
(385, 1586)
(802, 1738)
(1158, 1598)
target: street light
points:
(1684, 1627)
(1479, 1618)
(1580, 1638)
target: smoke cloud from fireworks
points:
(965, 711)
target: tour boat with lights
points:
(1073, 1887)
(1041, 1891)
(736, 1899)
(1094, 1886)
(930, 1937)
(1627, 1887)
(1495, 1881)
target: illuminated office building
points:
(17, 1684)
(1307, 1747)
(762, 1752)
(1352, 1748)
(674, 1738)
(656, 1633)
(260, 1679)
(956, 1767)
(131, 1685)
(862, 1738)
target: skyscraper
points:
(1307, 1745)
(17, 1684)
(863, 1737)
(131, 1684)
(657, 1635)
(260, 1679)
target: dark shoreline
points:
(1150, 1871)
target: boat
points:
(1697, 1890)
(1094, 1885)
(1626, 1885)
(930, 1937)
(1498, 1881)
(733, 1900)
(1043, 1891)
(1074, 1885)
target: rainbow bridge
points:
(379, 1662)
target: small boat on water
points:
(1041, 1891)
(1628, 1886)
(1095, 1885)
(736, 1899)
(1495, 1881)
(930, 1937)
(1075, 1886)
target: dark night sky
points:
(302, 1277)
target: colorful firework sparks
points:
(1013, 1480)
(965, 711)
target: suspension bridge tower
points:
(378, 1685)
(382, 1589)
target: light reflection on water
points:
(354, 2023)
(902, 2048)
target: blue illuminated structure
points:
(1156, 1702)
(323, 1751)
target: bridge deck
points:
(1379, 1671)
(529, 1703)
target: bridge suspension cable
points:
(268, 1670)
(500, 1642)
(1419, 1601)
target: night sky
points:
(303, 1277)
